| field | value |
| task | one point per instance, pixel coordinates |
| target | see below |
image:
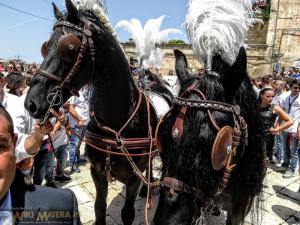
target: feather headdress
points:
(146, 38)
(218, 27)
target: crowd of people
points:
(40, 150)
(279, 101)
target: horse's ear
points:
(73, 14)
(57, 13)
(181, 66)
(237, 72)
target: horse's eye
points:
(44, 49)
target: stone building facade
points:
(272, 44)
(283, 38)
(168, 65)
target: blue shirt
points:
(296, 76)
(5, 210)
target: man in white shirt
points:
(280, 95)
(29, 137)
(78, 107)
(16, 198)
(291, 105)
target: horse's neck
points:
(114, 97)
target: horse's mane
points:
(192, 152)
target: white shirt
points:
(291, 104)
(81, 106)
(60, 136)
(22, 123)
(278, 100)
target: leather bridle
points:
(240, 136)
(86, 42)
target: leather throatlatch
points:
(177, 128)
(222, 147)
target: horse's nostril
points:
(32, 107)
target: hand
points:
(274, 131)
(26, 164)
(80, 123)
(52, 133)
(43, 129)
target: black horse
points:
(190, 182)
(82, 50)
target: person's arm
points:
(33, 142)
(283, 116)
(72, 111)
(58, 124)
(298, 133)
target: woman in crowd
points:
(15, 83)
(269, 113)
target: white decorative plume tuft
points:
(146, 38)
(218, 27)
(156, 58)
(99, 9)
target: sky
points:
(22, 35)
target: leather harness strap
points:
(177, 185)
(177, 129)
(129, 143)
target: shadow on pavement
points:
(113, 212)
(283, 211)
(293, 196)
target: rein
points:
(239, 135)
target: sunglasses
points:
(295, 88)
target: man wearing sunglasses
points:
(291, 105)
(22, 204)
(30, 135)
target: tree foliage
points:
(175, 41)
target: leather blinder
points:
(68, 47)
(222, 147)
(44, 49)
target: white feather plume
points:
(218, 27)
(146, 38)
(156, 58)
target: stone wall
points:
(255, 53)
(256, 50)
(283, 38)
(168, 65)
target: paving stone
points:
(281, 206)
(82, 197)
(279, 200)
(87, 214)
(292, 191)
(90, 188)
(264, 218)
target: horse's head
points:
(70, 59)
(190, 174)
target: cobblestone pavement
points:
(280, 200)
